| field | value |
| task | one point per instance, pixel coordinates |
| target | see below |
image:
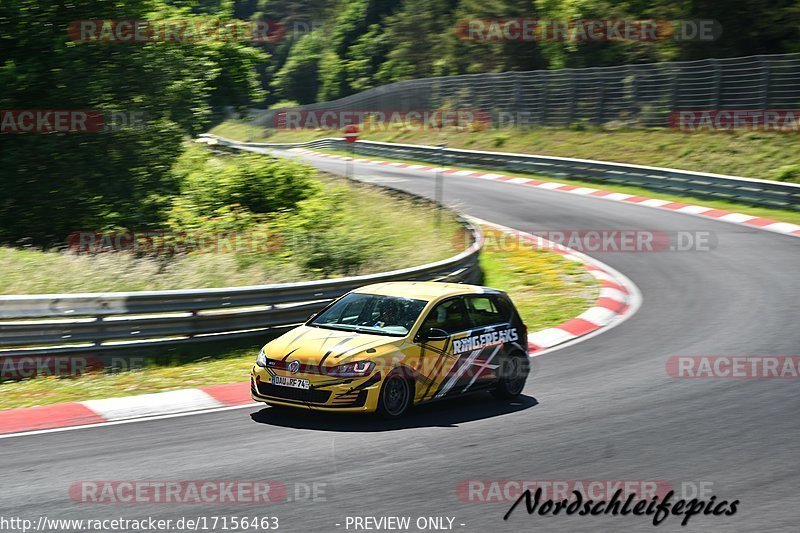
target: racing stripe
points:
(484, 366)
(285, 357)
(358, 347)
(454, 378)
(328, 353)
(443, 356)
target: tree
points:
(57, 183)
(298, 79)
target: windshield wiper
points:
(340, 327)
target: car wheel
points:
(513, 372)
(396, 395)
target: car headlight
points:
(351, 370)
(261, 360)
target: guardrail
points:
(72, 323)
(758, 192)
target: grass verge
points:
(546, 288)
(347, 228)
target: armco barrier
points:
(74, 323)
(667, 180)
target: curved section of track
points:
(601, 409)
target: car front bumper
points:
(326, 394)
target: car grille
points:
(298, 395)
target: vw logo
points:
(294, 366)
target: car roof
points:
(424, 290)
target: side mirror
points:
(434, 334)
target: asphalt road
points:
(604, 409)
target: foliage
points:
(253, 183)
(364, 43)
(53, 184)
(788, 173)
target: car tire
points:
(397, 395)
(513, 372)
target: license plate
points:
(295, 383)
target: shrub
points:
(499, 140)
(789, 173)
(256, 183)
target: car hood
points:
(311, 345)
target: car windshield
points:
(371, 313)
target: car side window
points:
(484, 312)
(450, 316)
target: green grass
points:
(546, 288)
(388, 231)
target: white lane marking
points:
(160, 403)
(782, 227)
(599, 274)
(618, 196)
(463, 173)
(519, 180)
(693, 209)
(654, 202)
(550, 185)
(583, 190)
(614, 294)
(737, 217)
(550, 337)
(598, 315)
(129, 421)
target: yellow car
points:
(385, 347)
